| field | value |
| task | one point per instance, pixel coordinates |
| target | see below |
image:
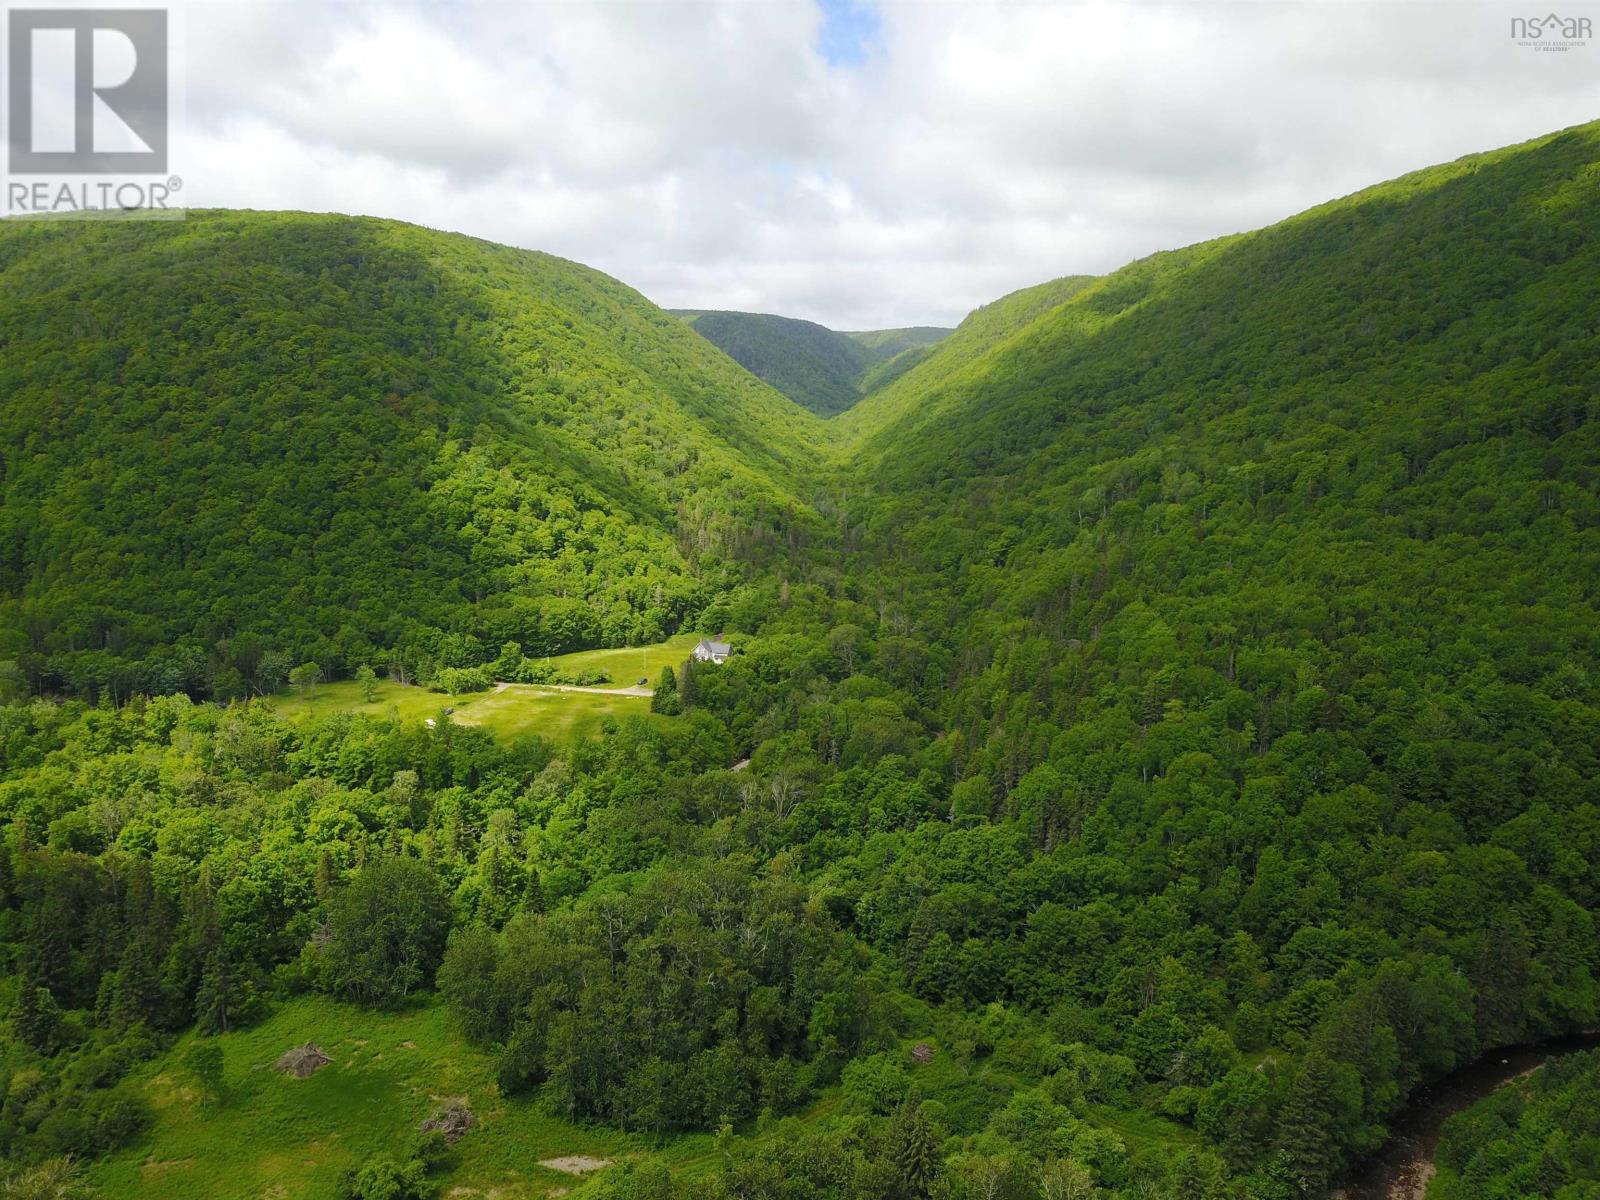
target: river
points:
(1402, 1169)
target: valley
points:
(819, 369)
(1166, 709)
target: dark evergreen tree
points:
(137, 995)
(664, 699)
(218, 994)
(1306, 1137)
(911, 1147)
(36, 1019)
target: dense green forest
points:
(245, 441)
(1535, 1137)
(1166, 721)
(819, 369)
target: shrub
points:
(382, 1178)
(876, 1085)
(461, 679)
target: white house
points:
(713, 652)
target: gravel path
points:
(562, 687)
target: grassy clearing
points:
(276, 1136)
(393, 699)
(523, 708)
(629, 665)
(516, 710)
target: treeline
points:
(705, 995)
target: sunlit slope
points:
(914, 391)
(1343, 463)
(1463, 291)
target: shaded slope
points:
(824, 371)
(812, 365)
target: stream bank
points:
(1402, 1169)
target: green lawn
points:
(518, 709)
(397, 700)
(523, 708)
(627, 666)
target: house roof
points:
(715, 647)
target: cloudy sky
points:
(864, 163)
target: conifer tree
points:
(36, 1019)
(1304, 1138)
(909, 1144)
(665, 698)
(137, 996)
(323, 883)
(214, 1002)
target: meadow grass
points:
(556, 715)
(519, 709)
(272, 1135)
(400, 701)
(277, 1136)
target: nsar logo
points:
(1552, 32)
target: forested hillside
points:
(821, 370)
(1162, 732)
(1253, 595)
(893, 342)
(896, 351)
(246, 440)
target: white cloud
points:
(705, 152)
